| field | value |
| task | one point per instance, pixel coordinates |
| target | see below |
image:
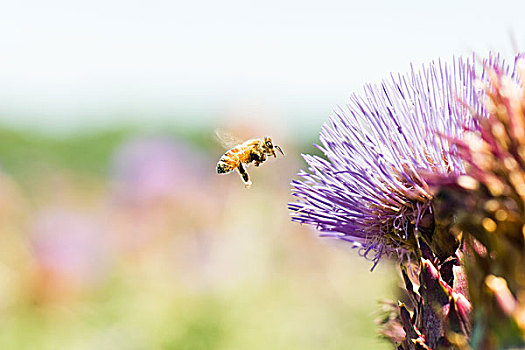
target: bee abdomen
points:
(227, 163)
(222, 168)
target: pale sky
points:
(75, 64)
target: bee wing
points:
(226, 139)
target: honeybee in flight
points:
(242, 154)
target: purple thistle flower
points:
(368, 190)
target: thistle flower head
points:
(367, 190)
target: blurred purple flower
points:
(152, 168)
(368, 190)
(69, 245)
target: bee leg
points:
(261, 159)
(255, 157)
(244, 175)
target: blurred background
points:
(115, 231)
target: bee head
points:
(270, 147)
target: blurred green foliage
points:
(91, 151)
(81, 152)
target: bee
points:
(243, 154)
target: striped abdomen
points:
(231, 159)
